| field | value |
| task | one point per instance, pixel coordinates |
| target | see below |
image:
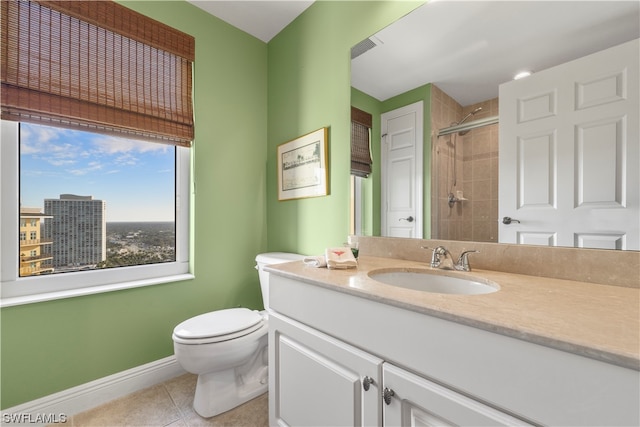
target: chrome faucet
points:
(440, 255)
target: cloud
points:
(113, 145)
(72, 143)
(91, 167)
(41, 134)
(126, 159)
(61, 162)
(36, 139)
(70, 150)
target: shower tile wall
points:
(446, 223)
(480, 177)
(475, 219)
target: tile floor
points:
(170, 404)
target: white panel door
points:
(401, 171)
(319, 381)
(570, 156)
(410, 400)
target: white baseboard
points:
(57, 407)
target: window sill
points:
(71, 293)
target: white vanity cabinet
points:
(324, 342)
(317, 380)
(320, 381)
(411, 400)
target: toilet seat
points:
(217, 326)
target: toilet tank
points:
(271, 258)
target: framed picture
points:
(302, 166)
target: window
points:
(85, 73)
(18, 283)
(122, 210)
(361, 124)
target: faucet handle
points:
(463, 260)
(438, 251)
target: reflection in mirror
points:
(454, 56)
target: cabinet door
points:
(415, 401)
(316, 380)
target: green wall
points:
(309, 88)
(51, 346)
(249, 97)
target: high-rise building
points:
(78, 229)
(34, 259)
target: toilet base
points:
(214, 397)
(218, 392)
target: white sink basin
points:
(427, 281)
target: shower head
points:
(464, 132)
(469, 115)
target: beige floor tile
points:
(182, 389)
(254, 413)
(149, 407)
(170, 404)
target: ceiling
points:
(467, 48)
(262, 19)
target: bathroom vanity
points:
(345, 349)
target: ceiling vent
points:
(363, 46)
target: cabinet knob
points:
(366, 383)
(387, 394)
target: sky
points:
(135, 178)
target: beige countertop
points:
(597, 321)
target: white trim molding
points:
(60, 407)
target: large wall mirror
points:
(448, 59)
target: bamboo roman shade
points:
(96, 66)
(361, 123)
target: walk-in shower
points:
(453, 165)
(453, 198)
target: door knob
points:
(508, 220)
(408, 219)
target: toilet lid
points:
(218, 323)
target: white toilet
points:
(228, 349)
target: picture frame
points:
(302, 166)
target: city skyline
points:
(131, 176)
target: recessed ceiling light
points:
(521, 75)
